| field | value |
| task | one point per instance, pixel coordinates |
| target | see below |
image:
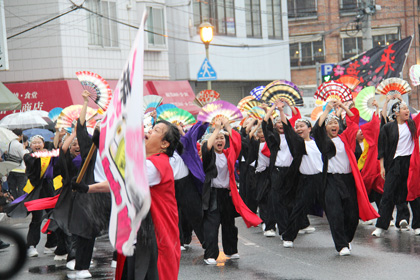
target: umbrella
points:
(7, 166)
(48, 135)
(8, 100)
(23, 120)
(5, 137)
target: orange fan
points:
(393, 86)
(350, 81)
(333, 90)
(206, 96)
(244, 102)
(316, 113)
(68, 117)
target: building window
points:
(102, 30)
(220, 13)
(385, 40)
(301, 8)
(156, 24)
(349, 5)
(253, 18)
(351, 46)
(307, 53)
(274, 19)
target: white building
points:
(49, 40)
(250, 47)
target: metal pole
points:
(367, 26)
(207, 56)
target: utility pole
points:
(367, 24)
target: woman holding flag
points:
(161, 142)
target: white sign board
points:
(4, 60)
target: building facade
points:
(50, 40)
(250, 46)
(327, 31)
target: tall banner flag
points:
(375, 65)
(123, 153)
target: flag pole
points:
(86, 163)
(406, 56)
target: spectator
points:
(17, 178)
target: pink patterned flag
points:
(123, 153)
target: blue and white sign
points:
(326, 68)
(206, 72)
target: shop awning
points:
(8, 101)
(178, 93)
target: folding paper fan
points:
(100, 91)
(316, 113)
(162, 108)
(177, 116)
(242, 103)
(283, 82)
(250, 104)
(68, 117)
(282, 89)
(415, 74)
(210, 112)
(393, 86)
(350, 81)
(363, 103)
(151, 102)
(333, 90)
(256, 113)
(54, 113)
(257, 92)
(206, 96)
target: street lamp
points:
(206, 35)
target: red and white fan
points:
(206, 96)
(333, 90)
(100, 91)
(393, 86)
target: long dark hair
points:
(172, 136)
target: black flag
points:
(375, 65)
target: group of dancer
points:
(287, 170)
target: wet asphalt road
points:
(395, 256)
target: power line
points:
(45, 22)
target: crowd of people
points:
(273, 172)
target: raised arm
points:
(68, 141)
(269, 112)
(212, 139)
(82, 116)
(254, 129)
(324, 114)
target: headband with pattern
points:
(331, 117)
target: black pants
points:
(307, 195)
(279, 209)
(34, 232)
(221, 212)
(341, 208)
(190, 211)
(263, 182)
(84, 251)
(143, 264)
(395, 193)
(243, 168)
(251, 189)
(16, 182)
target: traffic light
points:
(326, 78)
